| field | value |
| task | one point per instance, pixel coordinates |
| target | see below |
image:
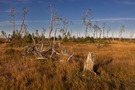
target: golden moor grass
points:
(114, 65)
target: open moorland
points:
(67, 45)
(114, 64)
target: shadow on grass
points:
(97, 66)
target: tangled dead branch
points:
(51, 51)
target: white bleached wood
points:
(89, 63)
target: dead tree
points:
(56, 19)
(65, 22)
(87, 22)
(68, 35)
(63, 33)
(36, 33)
(36, 49)
(23, 25)
(40, 51)
(104, 25)
(71, 33)
(100, 33)
(24, 29)
(43, 32)
(121, 32)
(51, 20)
(112, 36)
(89, 63)
(12, 14)
(96, 29)
(108, 29)
(63, 30)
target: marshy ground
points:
(114, 65)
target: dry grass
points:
(114, 66)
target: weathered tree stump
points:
(89, 63)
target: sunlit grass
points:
(115, 69)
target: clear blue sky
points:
(112, 12)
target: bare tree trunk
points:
(55, 35)
(112, 36)
(121, 31)
(86, 31)
(107, 34)
(43, 32)
(13, 23)
(100, 33)
(56, 24)
(51, 20)
(109, 28)
(12, 14)
(94, 34)
(22, 24)
(71, 33)
(103, 33)
(87, 23)
(104, 30)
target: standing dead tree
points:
(43, 32)
(100, 33)
(65, 24)
(104, 25)
(121, 31)
(63, 30)
(23, 28)
(113, 36)
(63, 33)
(96, 29)
(56, 22)
(12, 14)
(36, 33)
(87, 22)
(89, 63)
(56, 19)
(68, 35)
(108, 30)
(51, 20)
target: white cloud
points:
(5, 1)
(108, 19)
(129, 2)
(6, 11)
(114, 19)
(7, 23)
(126, 2)
(15, 1)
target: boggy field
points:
(114, 68)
